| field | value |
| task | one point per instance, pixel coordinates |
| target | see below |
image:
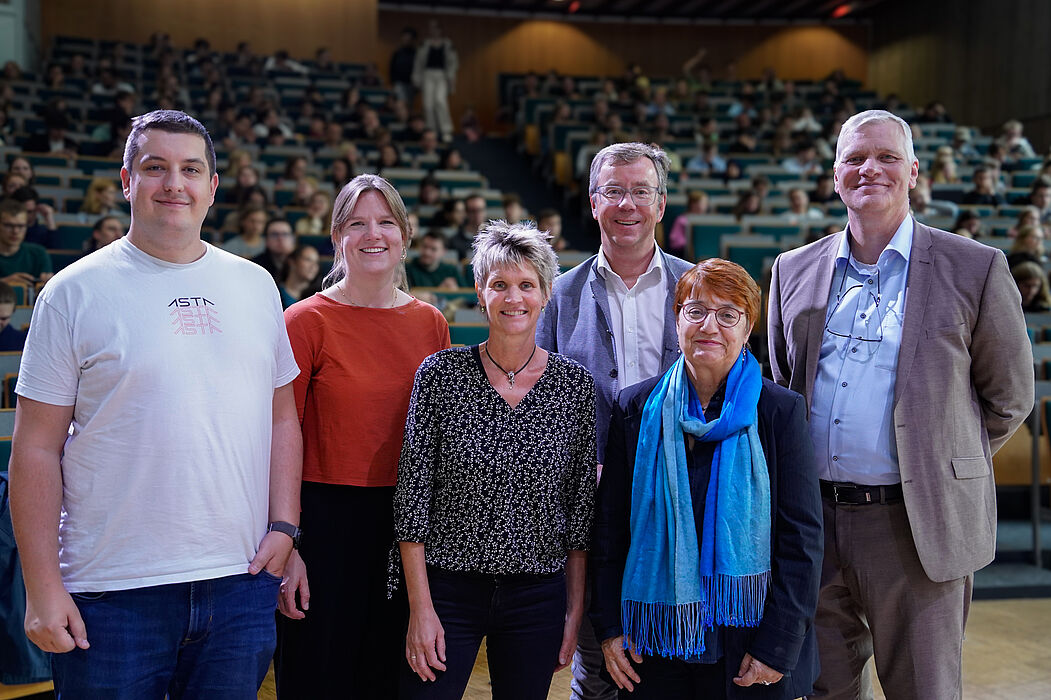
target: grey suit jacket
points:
(964, 381)
(576, 323)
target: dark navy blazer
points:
(785, 639)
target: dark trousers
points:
(352, 639)
(664, 679)
(522, 619)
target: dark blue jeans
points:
(522, 619)
(205, 639)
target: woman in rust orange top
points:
(358, 344)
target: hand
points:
(754, 671)
(448, 283)
(272, 554)
(18, 278)
(569, 641)
(294, 581)
(425, 644)
(54, 623)
(620, 669)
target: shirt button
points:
(836, 421)
(870, 282)
(853, 349)
(835, 459)
(613, 373)
(844, 383)
(863, 315)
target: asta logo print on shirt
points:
(194, 316)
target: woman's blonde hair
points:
(343, 207)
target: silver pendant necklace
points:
(510, 375)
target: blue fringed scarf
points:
(673, 589)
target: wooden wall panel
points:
(488, 46)
(986, 61)
(347, 27)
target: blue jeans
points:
(204, 639)
(522, 618)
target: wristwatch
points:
(289, 529)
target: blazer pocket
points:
(945, 330)
(970, 467)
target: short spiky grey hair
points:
(874, 116)
(627, 153)
(500, 244)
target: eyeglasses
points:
(727, 316)
(642, 196)
(841, 295)
(13, 227)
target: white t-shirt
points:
(171, 370)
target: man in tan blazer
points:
(910, 347)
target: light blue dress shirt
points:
(851, 414)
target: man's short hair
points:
(875, 116)
(7, 293)
(547, 214)
(275, 220)
(12, 208)
(627, 153)
(172, 121)
(434, 235)
(25, 194)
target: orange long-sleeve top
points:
(357, 366)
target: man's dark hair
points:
(25, 194)
(7, 293)
(275, 220)
(103, 219)
(173, 122)
(434, 235)
(11, 207)
(547, 214)
(1039, 184)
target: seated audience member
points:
(476, 209)
(924, 208)
(100, 198)
(1028, 216)
(21, 166)
(251, 221)
(962, 147)
(11, 183)
(514, 212)
(452, 216)
(428, 269)
(805, 160)
(761, 185)
(20, 262)
(247, 176)
(551, 221)
(678, 237)
(280, 241)
(984, 191)
(295, 170)
(943, 170)
(389, 157)
(300, 276)
(799, 209)
(824, 191)
(319, 213)
(305, 189)
(1016, 145)
(745, 142)
(748, 204)
(40, 217)
(339, 173)
(707, 162)
(106, 230)
(54, 139)
(1040, 197)
(1029, 276)
(968, 224)
(1028, 247)
(11, 339)
(430, 191)
(452, 159)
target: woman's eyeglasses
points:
(727, 316)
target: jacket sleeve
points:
(1001, 356)
(611, 535)
(798, 545)
(775, 332)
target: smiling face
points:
(873, 173)
(168, 185)
(513, 299)
(708, 347)
(371, 241)
(627, 226)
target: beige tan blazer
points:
(964, 381)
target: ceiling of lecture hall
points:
(670, 10)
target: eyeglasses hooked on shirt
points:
(841, 296)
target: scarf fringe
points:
(677, 631)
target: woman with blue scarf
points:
(707, 544)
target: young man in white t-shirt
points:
(153, 534)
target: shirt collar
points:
(604, 270)
(900, 243)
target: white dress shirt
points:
(636, 319)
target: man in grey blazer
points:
(910, 347)
(614, 314)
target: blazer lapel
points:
(602, 327)
(825, 269)
(670, 350)
(917, 288)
